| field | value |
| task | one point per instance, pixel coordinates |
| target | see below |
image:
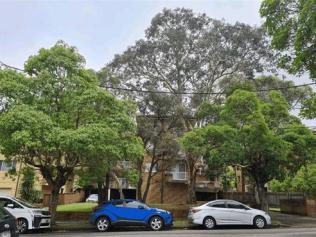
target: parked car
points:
(228, 212)
(129, 212)
(7, 224)
(92, 198)
(28, 217)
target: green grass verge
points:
(277, 209)
(88, 207)
(77, 207)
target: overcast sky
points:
(99, 29)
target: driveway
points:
(293, 220)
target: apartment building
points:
(171, 185)
(8, 185)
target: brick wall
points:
(297, 207)
(65, 198)
(311, 207)
(174, 193)
(305, 207)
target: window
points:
(236, 206)
(217, 205)
(119, 203)
(135, 204)
(4, 202)
(147, 167)
(3, 214)
(132, 204)
(7, 165)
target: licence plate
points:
(45, 221)
(5, 234)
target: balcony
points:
(207, 186)
(178, 177)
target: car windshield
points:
(24, 203)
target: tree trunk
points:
(107, 186)
(53, 202)
(101, 193)
(139, 188)
(140, 179)
(262, 195)
(162, 187)
(152, 164)
(118, 184)
(191, 198)
(144, 198)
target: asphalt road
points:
(281, 232)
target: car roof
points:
(123, 200)
(222, 200)
(113, 201)
(6, 196)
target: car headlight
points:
(37, 212)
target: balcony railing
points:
(179, 175)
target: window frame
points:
(218, 203)
(237, 204)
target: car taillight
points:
(195, 210)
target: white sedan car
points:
(228, 212)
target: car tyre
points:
(209, 223)
(22, 226)
(156, 223)
(259, 222)
(103, 224)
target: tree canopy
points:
(292, 24)
(185, 52)
(258, 135)
(56, 117)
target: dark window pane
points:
(218, 205)
(235, 206)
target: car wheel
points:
(209, 223)
(103, 224)
(156, 223)
(22, 226)
(259, 222)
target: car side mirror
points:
(140, 207)
(10, 205)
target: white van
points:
(28, 217)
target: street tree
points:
(208, 143)
(55, 117)
(264, 154)
(265, 140)
(291, 24)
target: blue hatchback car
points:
(129, 212)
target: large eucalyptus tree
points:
(185, 52)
